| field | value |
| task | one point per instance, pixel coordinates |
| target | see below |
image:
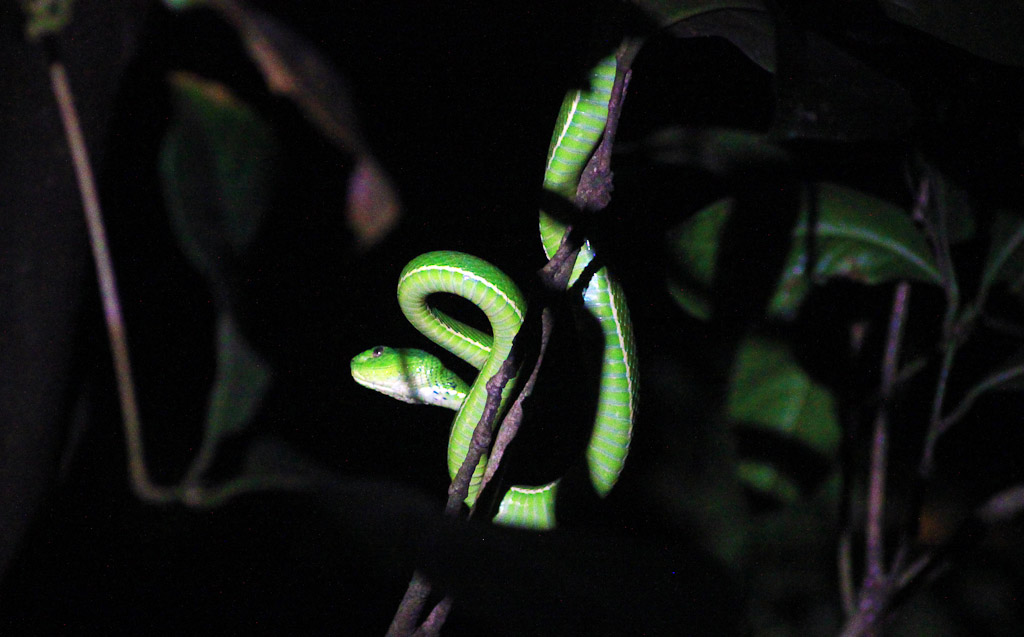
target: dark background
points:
(457, 105)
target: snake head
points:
(409, 375)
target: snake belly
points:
(415, 376)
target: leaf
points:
(216, 164)
(45, 18)
(749, 29)
(240, 384)
(857, 237)
(373, 207)
(241, 381)
(667, 12)
(181, 5)
(292, 67)
(987, 28)
(695, 246)
(771, 392)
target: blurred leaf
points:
(856, 237)
(242, 380)
(181, 5)
(695, 247)
(769, 390)
(45, 17)
(751, 30)
(666, 12)
(292, 67)
(988, 28)
(373, 206)
(766, 478)
(216, 166)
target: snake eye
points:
(377, 351)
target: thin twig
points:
(875, 548)
(986, 384)
(935, 421)
(112, 314)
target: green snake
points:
(418, 377)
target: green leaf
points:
(857, 237)
(45, 17)
(216, 165)
(242, 379)
(769, 391)
(695, 246)
(182, 5)
(240, 384)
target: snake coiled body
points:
(415, 376)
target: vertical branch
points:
(594, 190)
(938, 234)
(876, 588)
(593, 193)
(411, 606)
(935, 421)
(112, 314)
(875, 531)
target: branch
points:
(935, 427)
(510, 424)
(593, 193)
(876, 589)
(409, 609)
(875, 531)
(112, 315)
(987, 384)
(594, 190)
